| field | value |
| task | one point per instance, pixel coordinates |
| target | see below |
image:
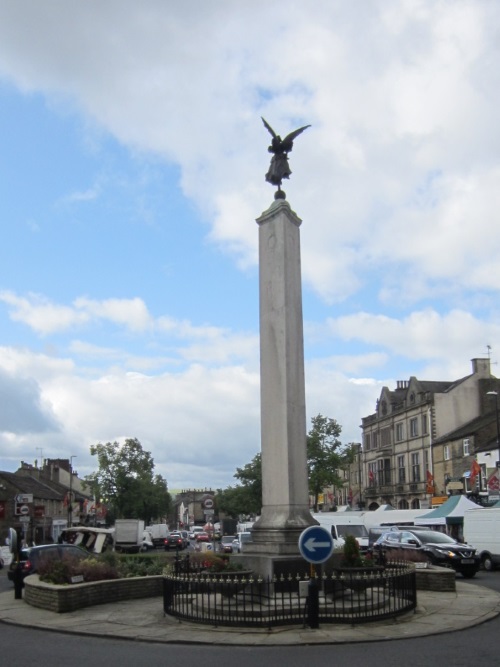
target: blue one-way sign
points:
(316, 544)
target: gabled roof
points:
(30, 485)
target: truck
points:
(482, 531)
(228, 527)
(129, 535)
(340, 524)
(159, 533)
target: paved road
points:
(479, 645)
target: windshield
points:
(432, 536)
(357, 531)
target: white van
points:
(482, 531)
(342, 524)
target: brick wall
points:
(76, 596)
(436, 579)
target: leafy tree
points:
(246, 498)
(325, 455)
(125, 481)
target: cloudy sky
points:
(132, 163)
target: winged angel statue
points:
(279, 168)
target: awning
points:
(449, 513)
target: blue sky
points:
(132, 163)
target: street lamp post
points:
(70, 503)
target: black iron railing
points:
(345, 596)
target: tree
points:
(325, 455)
(247, 498)
(125, 481)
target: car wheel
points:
(488, 563)
(468, 574)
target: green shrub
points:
(351, 555)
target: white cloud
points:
(42, 316)
(396, 182)
(422, 334)
(415, 95)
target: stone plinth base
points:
(272, 565)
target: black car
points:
(174, 541)
(435, 547)
(31, 557)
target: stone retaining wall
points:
(435, 579)
(75, 596)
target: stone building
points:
(39, 502)
(404, 439)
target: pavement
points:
(144, 620)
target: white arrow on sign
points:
(311, 544)
(23, 498)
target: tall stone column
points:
(285, 511)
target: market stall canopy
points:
(449, 513)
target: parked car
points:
(202, 537)
(31, 557)
(240, 540)
(194, 531)
(185, 537)
(226, 544)
(174, 541)
(437, 548)
(376, 531)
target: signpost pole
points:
(313, 600)
(316, 546)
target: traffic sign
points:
(24, 498)
(208, 503)
(21, 509)
(316, 544)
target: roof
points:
(449, 513)
(471, 428)
(30, 485)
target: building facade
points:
(403, 440)
(40, 502)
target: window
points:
(466, 447)
(401, 472)
(385, 437)
(413, 427)
(415, 504)
(384, 472)
(446, 453)
(424, 425)
(403, 505)
(367, 437)
(372, 473)
(415, 468)
(400, 434)
(374, 440)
